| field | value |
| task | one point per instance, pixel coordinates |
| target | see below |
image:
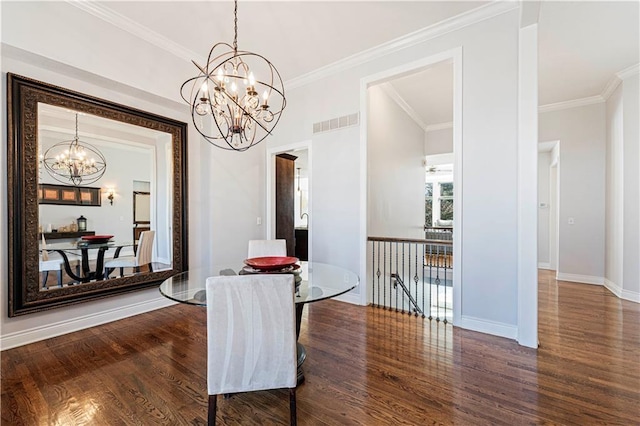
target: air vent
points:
(336, 123)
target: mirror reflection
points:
(118, 225)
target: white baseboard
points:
(613, 287)
(632, 296)
(350, 297)
(585, 279)
(489, 327)
(544, 265)
(36, 334)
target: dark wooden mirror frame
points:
(23, 96)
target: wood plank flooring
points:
(365, 366)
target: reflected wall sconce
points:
(110, 195)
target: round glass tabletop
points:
(319, 281)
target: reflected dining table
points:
(64, 249)
(320, 281)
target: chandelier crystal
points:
(74, 161)
(237, 98)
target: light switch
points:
(259, 221)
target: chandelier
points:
(74, 161)
(237, 98)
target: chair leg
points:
(59, 278)
(121, 272)
(211, 417)
(45, 275)
(292, 406)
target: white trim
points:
(393, 46)
(47, 331)
(613, 287)
(527, 185)
(571, 104)
(455, 55)
(349, 297)
(577, 278)
(439, 126)
(270, 189)
(544, 265)
(632, 296)
(391, 92)
(628, 72)
(611, 86)
(489, 327)
(120, 21)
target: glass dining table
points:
(73, 248)
(320, 281)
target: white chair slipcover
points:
(262, 248)
(251, 336)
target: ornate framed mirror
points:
(139, 148)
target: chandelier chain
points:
(235, 27)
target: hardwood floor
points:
(365, 366)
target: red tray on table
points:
(269, 263)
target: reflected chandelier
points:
(74, 161)
(237, 98)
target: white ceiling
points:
(582, 44)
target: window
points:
(438, 202)
(428, 203)
(446, 201)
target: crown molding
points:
(391, 92)
(416, 37)
(439, 126)
(114, 18)
(628, 72)
(571, 104)
(611, 86)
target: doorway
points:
(389, 209)
(298, 185)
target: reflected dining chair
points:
(142, 257)
(262, 248)
(50, 262)
(251, 337)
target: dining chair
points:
(251, 337)
(262, 248)
(142, 257)
(49, 262)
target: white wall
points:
(438, 141)
(581, 132)
(544, 162)
(614, 191)
(622, 271)
(490, 57)
(224, 191)
(631, 216)
(395, 171)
